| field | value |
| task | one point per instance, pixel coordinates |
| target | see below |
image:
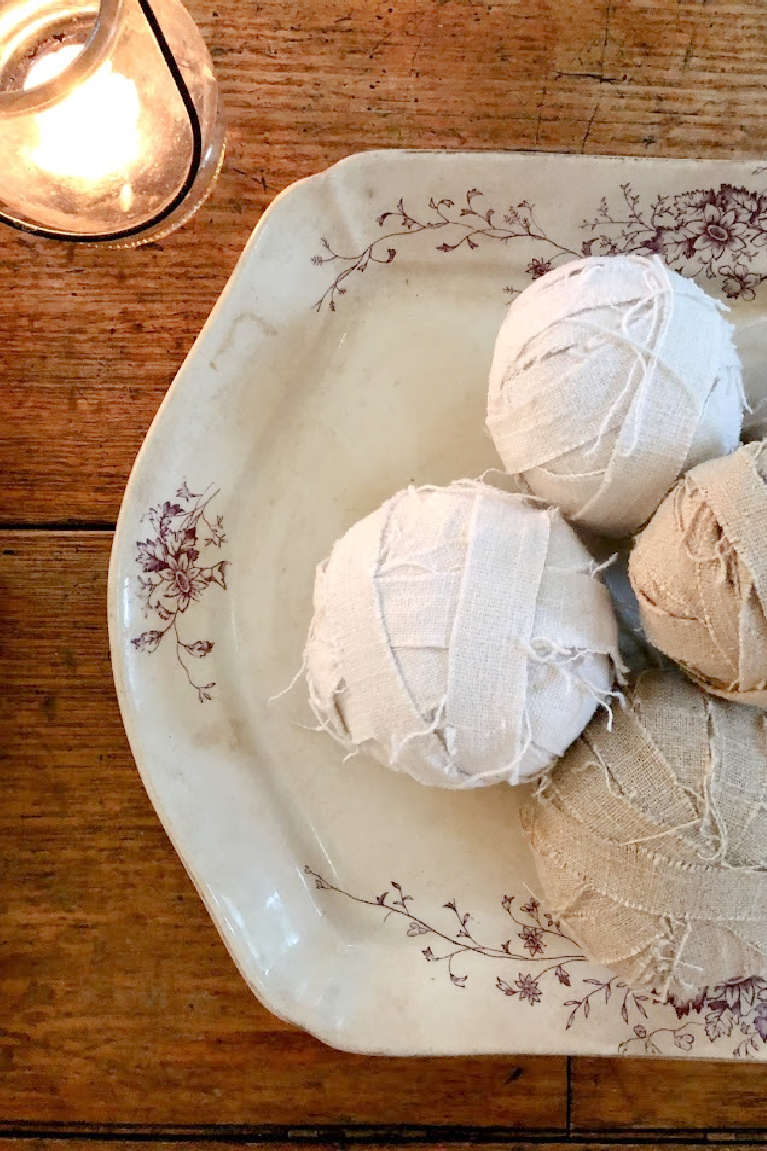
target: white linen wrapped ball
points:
(611, 377)
(460, 634)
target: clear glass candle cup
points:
(111, 127)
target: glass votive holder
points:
(111, 127)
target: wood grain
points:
(199, 1144)
(92, 338)
(632, 1095)
(202, 1141)
(118, 1002)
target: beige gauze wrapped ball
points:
(611, 377)
(460, 634)
(650, 838)
(699, 572)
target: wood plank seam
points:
(268, 1134)
(59, 526)
(424, 1138)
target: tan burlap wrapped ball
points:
(460, 634)
(651, 838)
(611, 377)
(699, 571)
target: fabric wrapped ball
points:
(650, 839)
(611, 377)
(460, 634)
(699, 571)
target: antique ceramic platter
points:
(347, 356)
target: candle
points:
(111, 130)
(93, 134)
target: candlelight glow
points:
(93, 133)
(111, 127)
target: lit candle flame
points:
(93, 133)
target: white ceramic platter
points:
(347, 356)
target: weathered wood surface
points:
(118, 1003)
(635, 1095)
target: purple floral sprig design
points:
(547, 960)
(606, 987)
(456, 939)
(737, 1008)
(174, 577)
(466, 226)
(717, 233)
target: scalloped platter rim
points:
(346, 357)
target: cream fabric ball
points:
(460, 634)
(699, 571)
(650, 839)
(611, 377)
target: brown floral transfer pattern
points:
(716, 233)
(540, 959)
(174, 576)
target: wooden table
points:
(121, 1016)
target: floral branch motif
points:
(607, 986)
(456, 939)
(718, 233)
(738, 1007)
(548, 958)
(173, 576)
(466, 226)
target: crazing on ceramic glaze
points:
(547, 962)
(718, 233)
(174, 577)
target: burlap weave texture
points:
(699, 571)
(651, 838)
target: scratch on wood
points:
(415, 55)
(378, 47)
(601, 73)
(608, 18)
(541, 102)
(587, 133)
(589, 76)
